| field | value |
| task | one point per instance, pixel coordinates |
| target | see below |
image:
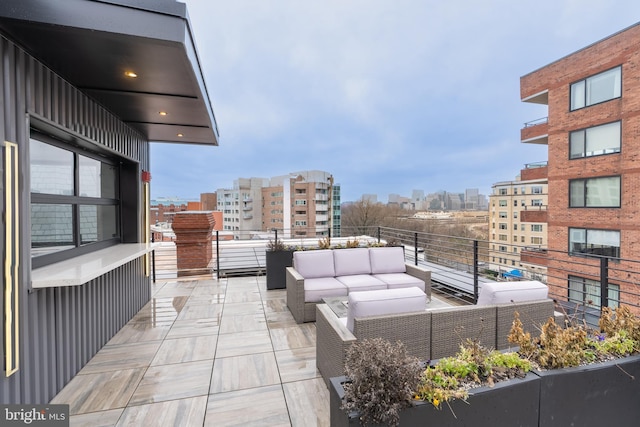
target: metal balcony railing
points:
(580, 283)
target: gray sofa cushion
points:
(313, 264)
(386, 301)
(323, 287)
(400, 280)
(351, 261)
(387, 260)
(361, 282)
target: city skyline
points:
(387, 96)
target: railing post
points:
(475, 271)
(379, 235)
(217, 255)
(415, 247)
(153, 259)
(275, 230)
(604, 282)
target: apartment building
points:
(593, 99)
(517, 221)
(298, 204)
(240, 206)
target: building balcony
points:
(534, 256)
(533, 171)
(190, 352)
(534, 214)
(535, 132)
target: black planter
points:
(277, 262)
(602, 394)
(508, 403)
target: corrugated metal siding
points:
(62, 328)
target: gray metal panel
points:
(62, 328)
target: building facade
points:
(517, 223)
(77, 119)
(593, 100)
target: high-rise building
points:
(517, 223)
(593, 100)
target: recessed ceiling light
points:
(180, 135)
(163, 113)
(130, 74)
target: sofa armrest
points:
(333, 340)
(422, 274)
(295, 294)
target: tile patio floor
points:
(204, 352)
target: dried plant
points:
(383, 380)
(324, 243)
(576, 344)
(355, 243)
(274, 245)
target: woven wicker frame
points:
(306, 311)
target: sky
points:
(387, 95)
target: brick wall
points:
(620, 49)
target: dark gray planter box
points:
(602, 394)
(509, 403)
(277, 262)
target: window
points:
(522, 239)
(75, 201)
(503, 191)
(515, 190)
(596, 242)
(515, 250)
(503, 237)
(502, 248)
(536, 189)
(515, 214)
(503, 226)
(595, 89)
(536, 202)
(595, 141)
(587, 292)
(515, 227)
(515, 203)
(301, 202)
(521, 227)
(301, 223)
(536, 240)
(536, 228)
(502, 214)
(503, 203)
(595, 192)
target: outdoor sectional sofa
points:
(327, 273)
(432, 333)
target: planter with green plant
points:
(567, 376)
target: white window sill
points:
(82, 269)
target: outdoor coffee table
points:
(338, 305)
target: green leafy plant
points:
(473, 366)
(383, 379)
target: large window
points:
(595, 89)
(595, 242)
(595, 192)
(75, 202)
(595, 141)
(587, 292)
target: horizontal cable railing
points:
(581, 283)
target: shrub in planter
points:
(383, 380)
(278, 257)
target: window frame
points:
(584, 83)
(592, 253)
(584, 141)
(76, 201)
(586, 194)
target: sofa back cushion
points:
(506, 292)
(383, 302)
(387, 260)
(353, 261)
(313, 264)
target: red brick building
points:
(593, 138)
